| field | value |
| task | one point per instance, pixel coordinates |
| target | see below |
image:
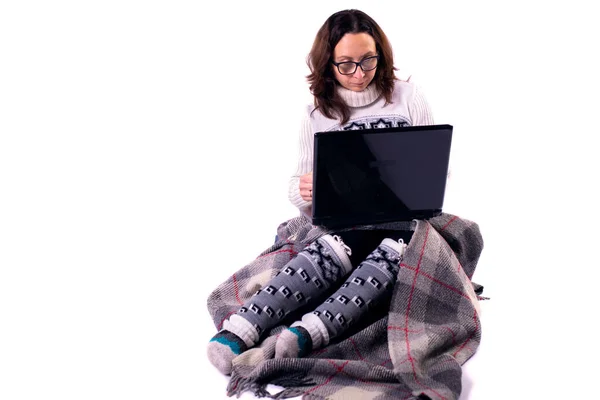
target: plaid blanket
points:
(413, 349)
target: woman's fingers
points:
(306, 194)
(306, 187)
(306, 178)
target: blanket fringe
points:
(291, 383)
(287, 394)
(296, 379)
(239, 384)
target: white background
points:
(145, 153)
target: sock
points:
(314, 270)
(223, 348)
(294, 342)
(370, 283)
(301, 337)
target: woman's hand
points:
(306, 183)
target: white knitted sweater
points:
(367, 110)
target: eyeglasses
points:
(350, 67)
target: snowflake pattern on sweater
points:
(376, 123)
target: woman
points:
(354, 86)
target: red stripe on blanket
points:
(452, 288)
(410, 297)
(236, 290)
(449, 222)
(356, 349)
(225, 319)
(291, 251)
(386, 362)
(453, 334)
(402, 362)
(339, 369)
(235, 386)
(470, 337)
(400, 328)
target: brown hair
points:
(322, 79)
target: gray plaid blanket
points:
(412, 350)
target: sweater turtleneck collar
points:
(358, 99)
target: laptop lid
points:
(379, 175)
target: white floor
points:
(145, 149)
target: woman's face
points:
(354, 47)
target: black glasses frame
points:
(356, 65)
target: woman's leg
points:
(368, 285)
(312, 272)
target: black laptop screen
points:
(371, 176)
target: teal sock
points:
(223, 348)
(294, 342)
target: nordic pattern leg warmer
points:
(368, 284)
(313, 271)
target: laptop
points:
(371, 176)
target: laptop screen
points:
(379, 175)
